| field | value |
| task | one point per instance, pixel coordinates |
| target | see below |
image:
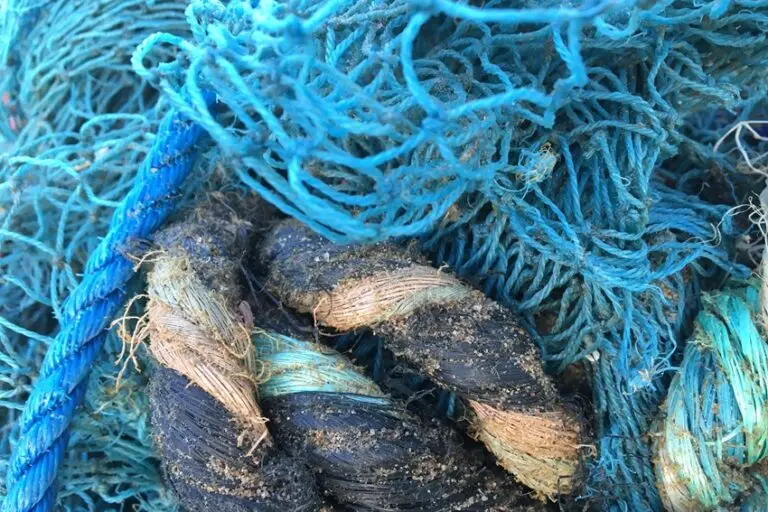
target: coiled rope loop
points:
(331, 429)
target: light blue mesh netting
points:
(77, 122)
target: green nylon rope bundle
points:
(714, 427)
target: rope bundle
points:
(216, 449)
(86, 315)
(456, 336)
(365, 449)
(206, 466)
(714, 424)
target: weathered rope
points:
(455, 335)
(714, 423)
(205, 464)
(366, 451)
(406, 383)
(192, 314)
(534, 144)
(216, 450)
(88, 312)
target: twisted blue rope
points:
(87, 313)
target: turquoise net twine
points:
(534, 147)
(65, 62)
(714, 424)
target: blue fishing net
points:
(553, 152)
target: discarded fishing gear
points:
(216, 450)
(367, 451)
(206, 464)
(328, 423)
(372, 118)
(533, 144)
(455, 335)
(711, 442)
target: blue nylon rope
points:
(88, 312)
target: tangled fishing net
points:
(556, 153)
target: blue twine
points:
(56, 202)
(124, 438)
(88, 311)
(418, 126)
(77, 124)
(297, 367)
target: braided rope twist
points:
(63, 378)
(457, 336)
